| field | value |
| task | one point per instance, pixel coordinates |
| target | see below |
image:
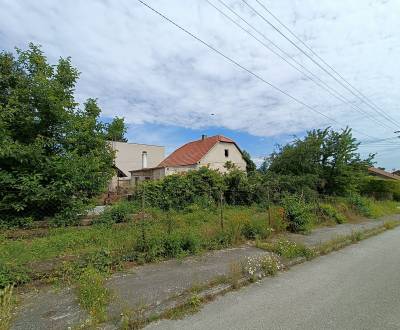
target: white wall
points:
(129, 155)
(215, 158)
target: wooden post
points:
(269, 209)
(143, 218)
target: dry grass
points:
(7, 304)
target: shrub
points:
(120, 212)
(381, 189)
(298, 213)
(360, 204)
(253, 230)
(178, 191)
(329, 211)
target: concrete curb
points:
(157, 311)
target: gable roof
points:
(191, 153)
(383, 174)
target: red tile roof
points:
(191, 153)
(382, 173)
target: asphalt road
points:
(355, 288)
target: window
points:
(144, 159)
(226, 152)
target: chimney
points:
(203, 136)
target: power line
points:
(323, 61)
(244, 68)
(314, 61)
(320, 82)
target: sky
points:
(171, 88)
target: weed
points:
(331, 212)
(265, 265)
(191, 306)
(356, 236)
(11, 274)
(133, 319)
(287, 249)
(391, 224)
(235, 274)
(7, 304)
(92, 294)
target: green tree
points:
(54, 156)
(116, 130)
(327, 158)
(250, 165)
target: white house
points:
(213, 152)
(133, 156)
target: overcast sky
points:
(170, 88)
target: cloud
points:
(148, 71)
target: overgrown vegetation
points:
(7, 304)
(54, 156)
(92, 294)
(287, 249)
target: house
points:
(213, 152)
(383, 174)
(396, 172)
(133, 156)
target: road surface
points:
(355, 288)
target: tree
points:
(250, 165)
(54, 156)
(116, 130)
(327, 158)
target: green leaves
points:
(54, 156)
(329, 156)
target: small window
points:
(226, 152)
(147, 178)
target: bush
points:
(120, 212)
(178, 191)
(329, 211)
(178, 244)
(360, 204)
(253, 230)
(381, 189)
(298, 213)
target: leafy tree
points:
(54, 156)
(116, 130)
(329, 160)
(250, 165)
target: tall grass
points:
(7, 303)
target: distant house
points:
(383, 174)
(213, 152)
(133, 156)
(396, 172)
